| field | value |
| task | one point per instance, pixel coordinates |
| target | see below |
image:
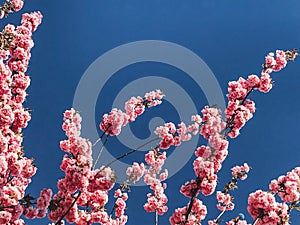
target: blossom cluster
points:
(135, 172)
(16, 170)
(157, 200)
(240, 172)
(263, 206)
(197, 210)
(113, 122)
(42, 204)
(288, 186)
(83, 192)
(10, 6)
(172, 136)
(206, 165)
(240, 109)
(224, 201)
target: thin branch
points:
(130, 152)
(104, 132)
(100, 152)
(219, 216)
(255, 221)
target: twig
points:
(104, 132)
(100, 152)
(130, 152)
(219, 216)
(255, 221)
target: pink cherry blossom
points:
(135, 172)
(11, 6)
(240, 171)
(287, 186)
(224, 201)
(198, 214)
(263, 205)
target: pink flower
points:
(134, 107)
(198, 213)
(32, 20)
(5, 217)
(240, 171)
(18, 4)
(264, 206)
(44, 200)
(6, 116)
(270, 61)
(189, 187)
(112, 123)
(135, 172)
(253, 80)
(280, 60)
(287, 187)
(224, 201)
(203, 151)
(203, 169)
(266, 83)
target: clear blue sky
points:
(231, 37)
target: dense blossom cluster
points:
(153, 177)
(263, 205)
(113, 122)
(224, 201)
(198, 213)
(83, 192)
(288, 186)
(135, 172)
(240, 109)
(16, 170)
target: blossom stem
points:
(101, 135)
(219, 216)
(255, 221)
(156, 217)
(100, 152)
(130, 152)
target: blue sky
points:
(231, 37)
